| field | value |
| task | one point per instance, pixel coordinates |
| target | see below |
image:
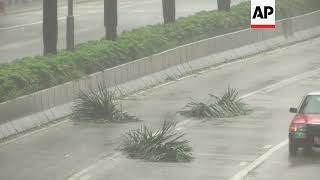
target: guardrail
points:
(39, 108)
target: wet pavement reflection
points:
(302, 159)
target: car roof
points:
(313, 93)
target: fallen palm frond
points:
(229, 105)
(164, 144)
(100, 104)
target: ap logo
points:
(263, 14)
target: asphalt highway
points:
(270, 83)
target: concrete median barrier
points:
(245, 40)
(277, 38)
(166, 59)
(69, 91)
(183, 54)
(37, 102)
(61, 94)
(51, 95)
(59, 109)
(299, 24)
(118, 75)
(50, 104)
(43, 95)
(5, 112)
(76, 88)
(188, 49)
(148, 66)
(124, 73)
(303, 25)
(142, 67)
(197, 51)
(109, 77)
(93, 80)
(133, 70)
(119, 78)
(18, 108)
(158, 62)
(84, 84)
(170, 59)
(174, 57)
(224, 44)
(47, 97)
(183, 66)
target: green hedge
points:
(30, 74)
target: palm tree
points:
(111, 19)
(169, 11)
(50, 26)
(224, 5)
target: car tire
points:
(293, 149)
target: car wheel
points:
(293, 149)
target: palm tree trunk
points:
(224, 5)
(111, 19)
(50, 27)
(169, 11)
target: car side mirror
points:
(293, 110)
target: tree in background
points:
(224, 5)
(50, 26)
(169, 11)
(111, 19)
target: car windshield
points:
(311, 105)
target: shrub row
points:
(30, 74)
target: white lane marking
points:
(139, 11)
(85, 177)
(150, 89)
(111, 161)
(186, 124)
(244, 172)
(282, 83)
(31, 24)
(67, 155)
(267, 146)
(243, 163)
(155, 87)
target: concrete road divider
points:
(39, 108)
(133, 70)
(109, 77)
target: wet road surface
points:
(281, 166)
(221, 147)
